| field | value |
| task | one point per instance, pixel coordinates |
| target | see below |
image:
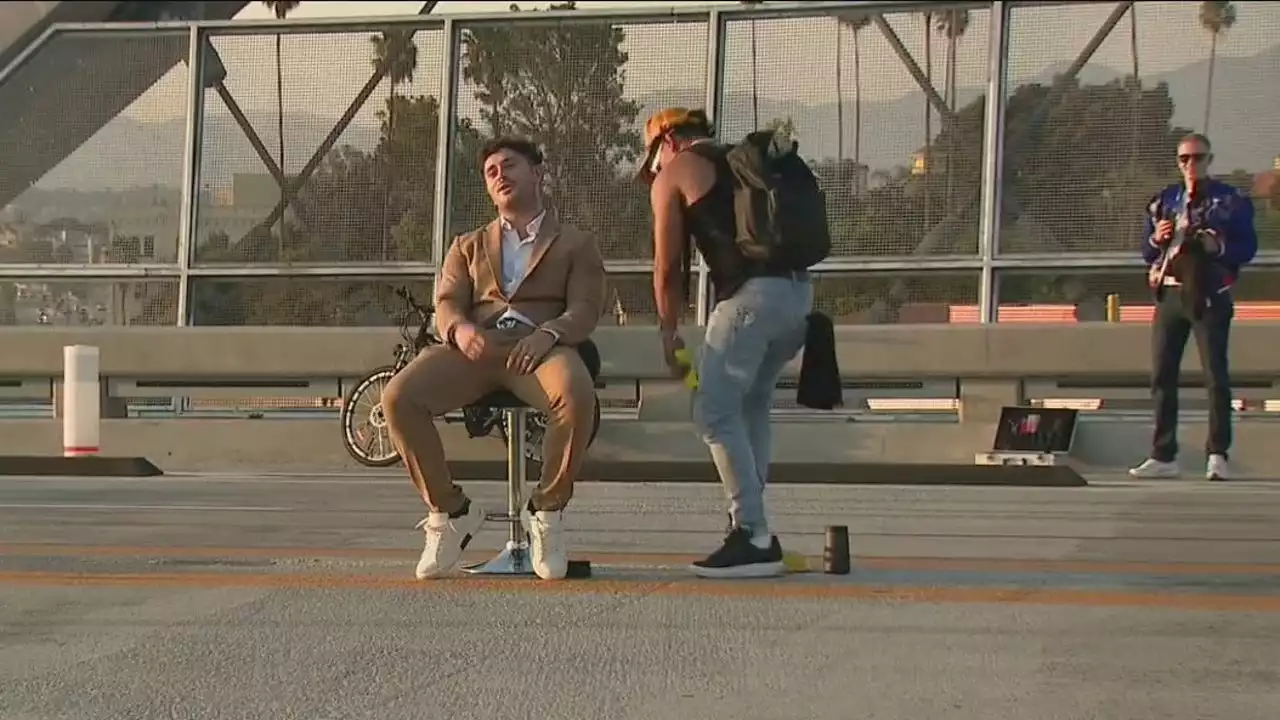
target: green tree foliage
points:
(358, 207)
(1066, 183)
(560, 83)
(1041, 212)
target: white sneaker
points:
(446, 538)
(546, 544)
(1217, 468)
(1151, 468)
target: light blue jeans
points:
(750, 339)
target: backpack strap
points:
(714, 152)
(709, 150)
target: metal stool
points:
(514, 558)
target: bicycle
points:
(375, 449)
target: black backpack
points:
(781, 211)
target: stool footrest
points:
(503, 517)
(513, 560)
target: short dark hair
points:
(1197, 138)
(696, 127)
(520, 146)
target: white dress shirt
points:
(516, 254)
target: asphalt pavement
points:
(281, 596)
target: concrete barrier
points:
(870, 352)
(988, 366)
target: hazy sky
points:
(323, 72)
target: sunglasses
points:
(1188, 158)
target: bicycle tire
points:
(349, 441)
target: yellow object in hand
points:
(685, 358)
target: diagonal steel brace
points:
(1017, 142)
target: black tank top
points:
(712, 226)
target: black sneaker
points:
(738, 557)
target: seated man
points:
(513, 300)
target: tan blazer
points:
(564, 289)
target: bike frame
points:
(406, 351)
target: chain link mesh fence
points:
(87, 302)
(1040, 296)
(93, 128)
(582, 89)
(878, 298)
(630, 301)
(1085, 151)
(900, 159)
(319, 147)
(303, 301)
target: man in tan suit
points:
(513, 301)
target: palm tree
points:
(281, 9)
(396, 51)
(1216, 16)
(952, 24)
(400, 68)
(855, 21)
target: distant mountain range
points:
(131, 152)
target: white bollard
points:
(80, 401)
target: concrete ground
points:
(273, 597)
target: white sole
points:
(759, 570)
(468, 534)
(1155, 476)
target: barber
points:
(1199, 235)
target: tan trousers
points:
(441, 379)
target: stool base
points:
(513, 560)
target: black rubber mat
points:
(78, 466)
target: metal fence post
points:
(449, 81)
(190, 207)
(993, 160)
(715, 70)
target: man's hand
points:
(670, 344)
(469, 340)
(1164, 232)
(1209, 239)
(530, 351)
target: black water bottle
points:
(835, 554)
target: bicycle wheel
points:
(536, 429)
(364, 428)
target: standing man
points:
(758, 324)
(1199, 234)
(513, 301)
